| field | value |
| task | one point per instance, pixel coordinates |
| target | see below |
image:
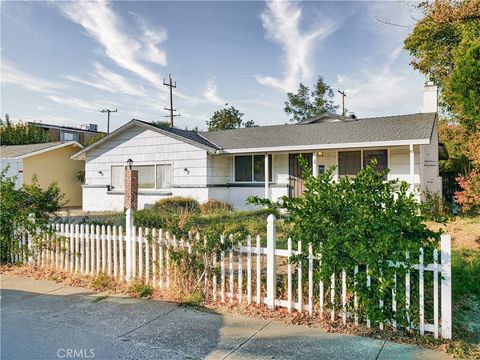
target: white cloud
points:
(76, 102)
(281, 21)
(388, 90)
(103, 25)
(211, 94)
(151, 39)
(108, 80)
(11, 75)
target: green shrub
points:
(358, 222)
(433, 207)
(177, 204)
(102, 282)
(140, 290)
(16, 205)
(214, 206)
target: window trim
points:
(253, 169)
(155, 165)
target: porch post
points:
(412, 168)
(314, 164)
(266, 175)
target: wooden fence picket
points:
(146, 254)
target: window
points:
(380, 155)
(146, 176)
(164, 176)
(251, 168)
(68, 136)
(158, 176)
(118, 177)
(243, 168)
(349, 162)
(259, 168)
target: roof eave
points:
(326, 146)
(38, 152)
(134, 122)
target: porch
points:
(276, 174)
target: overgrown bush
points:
(213, 206)
(140, 290)
(434, 207)
(358, 222)
(469, 197)
(16, 205)
(177, 204)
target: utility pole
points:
(343, 101)
(108, 111)
(171, 109)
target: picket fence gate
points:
(145, 254)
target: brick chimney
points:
(131, 189)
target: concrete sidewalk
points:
(46, 320)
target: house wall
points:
(431, 180)
(14, 167)
(144, 147)
(235, 194)
(56, 166)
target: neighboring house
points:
(67, 133)
(49, 162)
(229, 165)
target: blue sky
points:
(62, 62)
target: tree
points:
(228, 118)
(463, 88)
(439, 42)
(306, 104)
(21, 133)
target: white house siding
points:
(399, 164)
(143, 147)
(14, 168)
(430, 180)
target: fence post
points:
(446, 287)
(271, 265)
(31, 218)
(128, 243)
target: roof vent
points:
(351, 115)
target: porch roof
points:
(389, 130)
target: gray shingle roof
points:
(11, 151)
(389, 128)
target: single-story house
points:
(49, 162)
(230, 165)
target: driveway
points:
(46, 320)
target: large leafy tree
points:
(228, 118)
(306, 104)
(463, 89)
(445, 47)
(439, 43)
(21, 133)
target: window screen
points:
(259, 167)
(243, 168)
(146, 176)
(380, 155)
(164, 176)
(117, 177)
(349, 162)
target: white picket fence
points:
(145, 254)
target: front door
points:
(295, 171)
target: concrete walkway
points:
(45, 320)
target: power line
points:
(344, 95)
(171, 109)
(108, 111)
